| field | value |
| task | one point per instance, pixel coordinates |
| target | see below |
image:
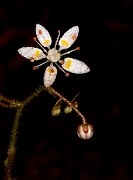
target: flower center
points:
(53, 55)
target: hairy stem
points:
(9, 103)
(9, 162)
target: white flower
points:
(54, 55)
(85, 131)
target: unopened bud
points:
(85, 131)
(56, 111)
(67, 109)
(75, 104)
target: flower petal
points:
(50, 75)
(31, 53)
(43, 36)
(75, 66)
(69, 37)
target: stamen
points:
(32, 59)
(61, 61)
(35, 39)
(76, 49)
(60, 68)
(36, 67)
(67, 74)
(75, 97)
(57, 39)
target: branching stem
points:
(19, 106)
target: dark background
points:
(48, 147)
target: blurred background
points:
(48, 147)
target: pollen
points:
(46, 41)
(37, 53)
(68, 63)
(40, 31)
(65, 43)
(74, 37)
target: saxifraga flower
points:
(54, 55)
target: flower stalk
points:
(69, 103)
(19, 106)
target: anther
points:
(78, 48)
(34, 68)
(34, 38)
(31, 59)
(61, 61)
(67, 74)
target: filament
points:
(60, 68)
(36, 67)
(78, 48)
(57, 39)
(35, 39)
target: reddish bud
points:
(85, 131)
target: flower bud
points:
(67, 109)
(85, 131)
(75, 104)
(56, 111)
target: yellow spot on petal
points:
(50, 70)
(37, 53)
(46, 41)
(64, 43)
(68, 63)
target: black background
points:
(48, 147)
